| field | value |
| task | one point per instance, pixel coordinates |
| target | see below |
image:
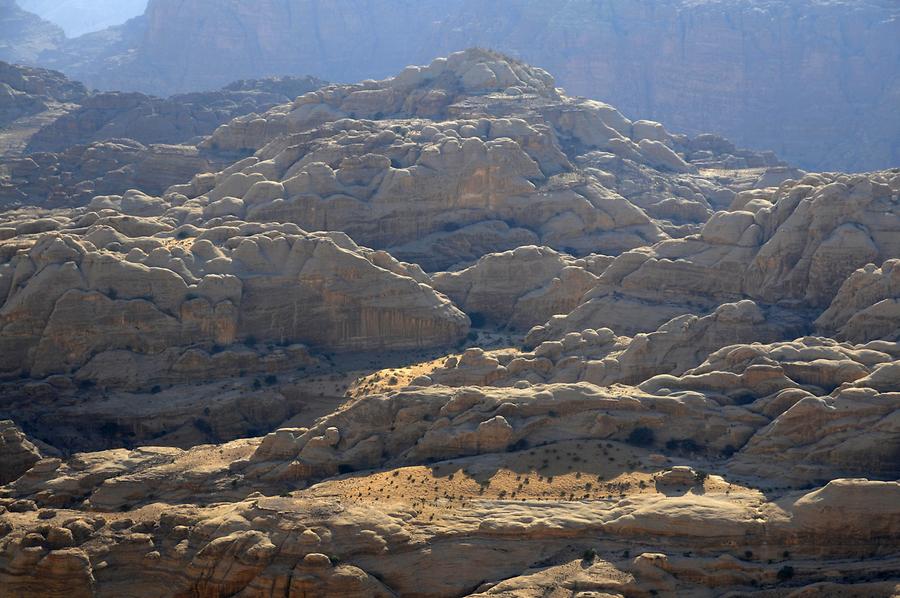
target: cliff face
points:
(818, 82)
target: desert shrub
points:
(519, 445)
(785, 573)
(641, 436)
(744, 398)
(203, 425)
(271, 379)
(478, 319)
(687, 445)
(109, 429)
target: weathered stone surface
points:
(441, 167)
(523, 287)
(798, 247)
(128, 297)
(177, 119)
(747, 69)
(17, 453)
(275, 419)
(867, 306)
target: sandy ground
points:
(565, 471)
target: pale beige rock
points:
(867, 305)
(73, 294)
(520, 288)
(17, 453)
(817, 232)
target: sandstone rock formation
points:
(601, 357)
(653, 529)
(523, 287)
(472, 154)
(797, 246)
(63, 145)
(118, 293)
(112, 167)
(177, 119)
(747, 70)
(866, 306)
(17, 453)
(27, 91)
(226, 394)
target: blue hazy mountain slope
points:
(77, 17)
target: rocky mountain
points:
(78, 17)
(24, 36)
(815, 81)
(616, 361)
(63, 145)
(30, 91)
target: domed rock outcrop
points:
(132, 286)
(798, 247)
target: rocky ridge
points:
(507, 161)
(746, 70)
(62, 145)
(706, 406)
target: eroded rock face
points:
(63, 145)
(867, 306)
(275, 426)
(523, 287)
(798, 246)
(25, 35)
(603, 358)
(67, 518)
(17, 453)
(26, 91)
(472, 154)
(78, 174)
(174, 120)
(123, 294)
(843, 54)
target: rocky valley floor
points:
(453, 333)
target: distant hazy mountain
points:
(77, 17)
(23, 35)
(817, 81)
